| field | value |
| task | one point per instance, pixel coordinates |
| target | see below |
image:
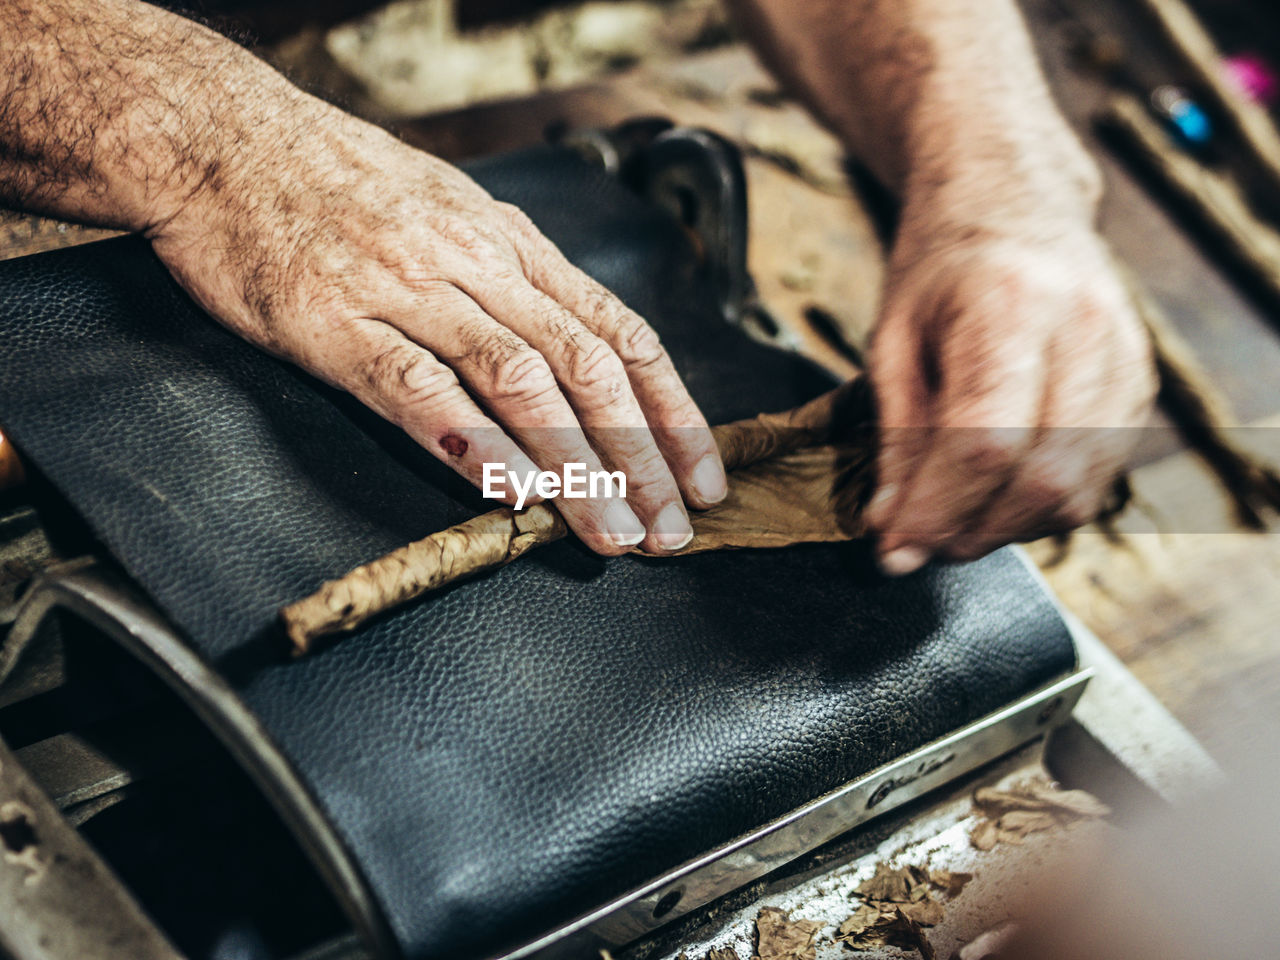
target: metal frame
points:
(58, 898)
(98, 595)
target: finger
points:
(405, 384)
(594, 380)
(990, 400)
(1048, 484)
(680, 429)
(1056, 485)
(516, 384)
(902, 405)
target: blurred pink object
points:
(1255, 77)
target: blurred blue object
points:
(1185, 118)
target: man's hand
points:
(376, 267)
(1009, 376)
(1007, 361)
(391, 274)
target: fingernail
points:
(904, 560)
(622, 525)
(709, 481)
(671, 529)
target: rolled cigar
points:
(482, 543)
(494, 539)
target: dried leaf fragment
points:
(1011, 815)
(950, 882)
(894, 884)
(858, 922)
(898, 904)
(871, 927)
(780, 938)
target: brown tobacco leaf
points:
(952, 883)
(859, 922)
(721, 953)
(886, 925)
(898, 903)
(927, 913)
(894, 884)
(910, 884)
(1010, 816)
(780, 938)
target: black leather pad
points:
(526, 746)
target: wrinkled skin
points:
(1010, 379)
(393, 275)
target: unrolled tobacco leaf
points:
(858, 922)
(927, 913)
(780, 938)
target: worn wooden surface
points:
(1192, 606)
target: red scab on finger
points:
(453, 445)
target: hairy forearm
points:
(943, 99)
(114, 111)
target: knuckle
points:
(409, 267)
(519, 374)
(469, 240)
(409, 377)
(639, 343)
(649, 471)
(594, 368)
(515, 219)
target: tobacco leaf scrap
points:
(721, 953)
(897, 904)
(887, 925)
(1010, 816)
(950, 882)
(780, 938)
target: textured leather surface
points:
(522, 747)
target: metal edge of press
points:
(706, 878)
(114, 606)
